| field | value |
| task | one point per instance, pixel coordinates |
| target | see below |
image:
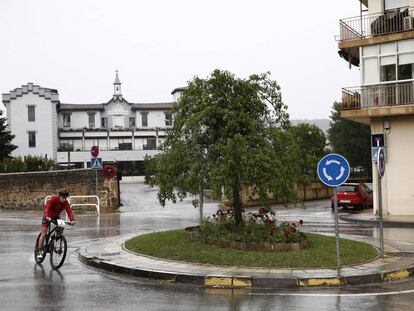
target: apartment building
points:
(380, 41)
(124, 131)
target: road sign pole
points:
(381, 222)
(96, 182)
(338, 261)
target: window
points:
(118, 121)
(32, 139)
(66, 120)
(370, 70)
(104, 122)
(66, 145)
(395, 4)
(31, 113)
(144, 118)
(168, 118)
(91, 117)
(388, 68)
(131, 122)
(405, 66)
(151, 144)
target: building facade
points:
(380, 40)
(124, 131)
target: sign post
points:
(333, 170)
(96, 164)
(381, 171)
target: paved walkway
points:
(366, 216)
(109, 254)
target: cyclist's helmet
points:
(63, 193)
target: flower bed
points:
(259, 232)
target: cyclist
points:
(53, 207)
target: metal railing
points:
(371, 25)
(97, 204)
(381, 95)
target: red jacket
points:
(53, 208)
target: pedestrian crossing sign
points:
(96, 163)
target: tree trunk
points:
(201, 201)
(237, 204)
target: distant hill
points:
(323, 124)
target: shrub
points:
(256, 227)
(27, 164)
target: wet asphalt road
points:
(27, 286)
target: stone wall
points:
(313, 191)
(27, 191)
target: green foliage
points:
(228, 131)
(6, 147)
(350, 139)
(27, 164)
(311, 143)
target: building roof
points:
(47, 93)
(81, 107)
(178, 89)
(152, 106)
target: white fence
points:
(97, 204)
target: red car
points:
(358, 196)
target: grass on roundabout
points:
(320, 253)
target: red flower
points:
(286, 233)
(262, 211)
(301, 222)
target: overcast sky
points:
(158, 45)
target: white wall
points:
(397, 183)
(43, 125)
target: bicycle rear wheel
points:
(58, 249)
(36, 251)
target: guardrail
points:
(381, 95)
(370, 25)
(97, 204)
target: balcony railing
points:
(371, 25)
(381, 95)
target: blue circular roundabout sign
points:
(333, 170)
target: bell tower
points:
(117, 86)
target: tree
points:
(228, 131)
(311, 144)
(350, 139)
(6, 147)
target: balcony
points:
(381, 100)
(355, 29)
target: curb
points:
(223, 281)
(400, 224)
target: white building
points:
(125, 132)
(380, 40)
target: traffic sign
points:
(333, 170)
(109, 171)
(96, 163)
(377, 140)
(381, 162)
(94, 151)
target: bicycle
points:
(55, 244)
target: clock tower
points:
(117, 86)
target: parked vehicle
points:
(357, 196)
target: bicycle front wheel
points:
(38, 259)
(58, 250)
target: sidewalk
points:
(366, 216)
(109, 254)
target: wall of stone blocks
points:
(27, 191)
